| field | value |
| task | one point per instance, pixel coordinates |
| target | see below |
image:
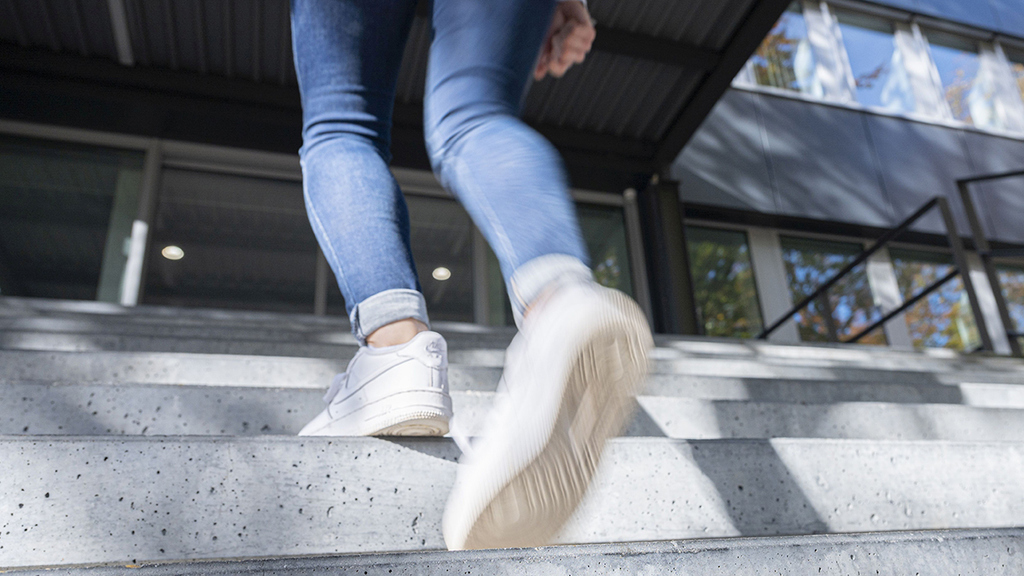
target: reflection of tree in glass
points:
(774, 60)
(944, 318)
(723, 283)
(810, 264)
(606, 270)
(1011, 278)
(957, 92)
(868, 79)
(1018, 73)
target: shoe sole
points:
(419, 413)
(606, 373)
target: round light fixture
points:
(441, 273)
(172, 252)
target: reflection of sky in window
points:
(785, 58)
(958, 65)
(881, 79)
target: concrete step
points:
(144, 368)
(487, 351)
(477, 370)
(38, 408)
(933, 552)
(73, 500)
(67, 325)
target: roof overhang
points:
(190, 69)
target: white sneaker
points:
(571, 375)
(396, 391)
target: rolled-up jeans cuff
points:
(531, 279)
(386, 307)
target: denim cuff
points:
(386, 307)
(531, 279)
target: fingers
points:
(570, 46)
(568, 41)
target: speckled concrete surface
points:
(935, 553)
(199, 369)
(45, 408)
(76, 500)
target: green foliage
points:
(723, 282)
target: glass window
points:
(604, 231)
(66, 213)
(785, 58)
(943, 319)
(245, 243)
(847, 308)
(723, 282)
(1011, 279)
(442, 246)
(879, 73)
(970, 94)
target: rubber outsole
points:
(606, 372)
(426, 414)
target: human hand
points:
(569, 39)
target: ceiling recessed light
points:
(172, 252)
(441, 273)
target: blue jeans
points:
(509, 178)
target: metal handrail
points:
(987, 254)
(959, 261)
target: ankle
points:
(395, 333)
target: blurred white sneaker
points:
(571, 375)
(395, 391)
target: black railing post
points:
(981, 245)
(960, 261)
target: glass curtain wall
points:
(723, 282)
(66, 213)
(968, 87)
(785, 58)
(879, 73)
(944, 318)
(847, 308)
(229, 241)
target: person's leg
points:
(508, 177)
(581, 352)
(347, 56)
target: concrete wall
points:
(780, 155)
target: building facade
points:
(847, 119)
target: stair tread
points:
(231, 369)
(49, 408)
(934, 552)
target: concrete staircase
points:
(152, 435)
